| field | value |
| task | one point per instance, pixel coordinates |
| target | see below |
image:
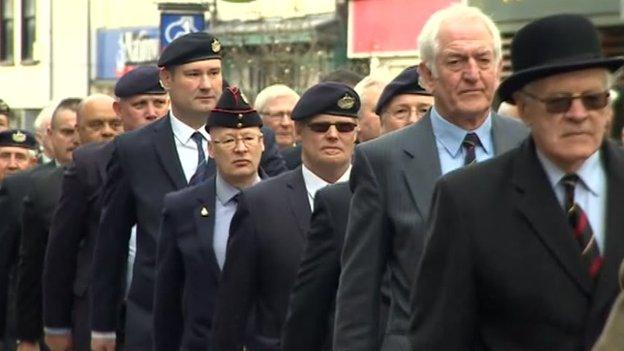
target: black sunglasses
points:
(323, 127)
(561, 104)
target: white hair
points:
(368, 82)
(42, 122)
(271, 92)
(428, 41)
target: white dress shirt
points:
(186, 147)
(314, 183)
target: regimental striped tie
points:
(581, 227)
(201, 170)
(471, 141)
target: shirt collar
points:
(225, 191)
(452, 136)
(183, 132)
(314, 183)
(586, 173)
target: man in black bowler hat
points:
(523, 251)
(195, 228)
(269, 228)
(146, 164)
(67, 267)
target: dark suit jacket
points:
(309, 323)
(143, 168)
(502, 270)
(67, 269)
(187, 274)
(267, 235)
(392, 181)
(292, 156)
(612, 336)
(39, 206)
(12, 192)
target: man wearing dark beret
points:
(403, 101)
(269, 228)
(66, 276)
(165, 156)
(195, 228)
(523, 251)
(18, 151)
(393, 176)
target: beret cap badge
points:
(346, 102)
(18, 137)
(216, 45)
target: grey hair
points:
(271, 92)
(428, 43)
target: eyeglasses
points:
(561, 104)
(231, 142)
(323, 127)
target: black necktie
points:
(581, 228)
(201, 170)
(471, 141)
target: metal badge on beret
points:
(216, 46)
(18, 137)
(346, 102)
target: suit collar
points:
(204, 215)
(167, 153)
(421, 168)
(298, 199)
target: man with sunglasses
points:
(523, 251)
(195, 228)
(270, 226)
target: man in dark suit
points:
(146, 164)
(268, 231)
(195, 229)
(522, 252)
(67, 270)
(40, 204)
(393, 176)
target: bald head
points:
(97, 120)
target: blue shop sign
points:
(121, 49)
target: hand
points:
(102, 344)
(28, 346)
(59, 342)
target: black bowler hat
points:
(233, 111)
(18, 138)
(330, 98)
(190, 48)
(140, 80)
(405, 83)
(552, 45)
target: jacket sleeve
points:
(237, 284)
(67, 230)
(363, 260)
(307, 324)
(168, 313)
(111, 247)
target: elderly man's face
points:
(276, 115)
(14, 159)
(236, 152)
(403, 110)
(370, 122)
(567, 138)
(467, 71)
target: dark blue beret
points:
(233, 111)
(18, 138)
(189, 48)
(327, 98)
(141, 80)
(405, 83)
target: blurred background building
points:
(55, 49)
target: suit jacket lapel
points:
(538, 204)
(298, 199)
(607, 284)
(167, 153)
(204, 224)
(421, 168)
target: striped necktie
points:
(201, 170)
(471, 141)
(581, 228)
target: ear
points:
(211, 148)
(426, 77)
(117, 108)
(49, 131)
(299, 125)
(521, 106)
(166, 76)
